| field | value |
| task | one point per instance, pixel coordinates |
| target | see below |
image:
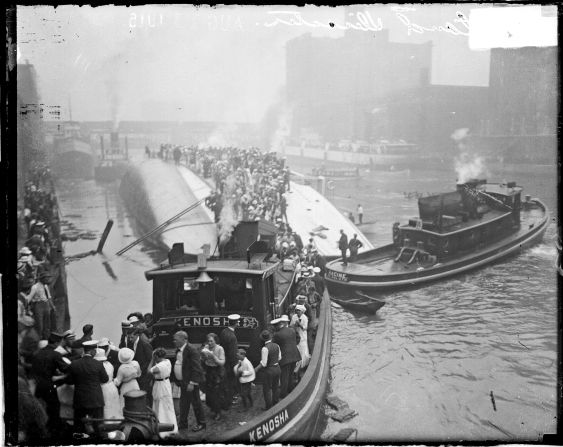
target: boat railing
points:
(314, 379)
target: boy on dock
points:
(244, 371)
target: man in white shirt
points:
(41, 305)
(246, 375)
(270, 363)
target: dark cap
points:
(55, 337)
(90, 344)
(266, 335)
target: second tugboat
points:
(475, 225)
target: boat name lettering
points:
(338, 276)
(269, 426)
(214, 321)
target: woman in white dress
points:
(127, 374)
(112, 405)
(162, 403)
(300, 322)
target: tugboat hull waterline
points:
(476, 225)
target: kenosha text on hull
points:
(457, 231)
(197, 297)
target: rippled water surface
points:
(424, 367)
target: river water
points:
(425, 366)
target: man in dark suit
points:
(343, 246)
(286, 338)
(189, 374)
(355, 244)
(87, 375)
(143, 355)
(87, 334)
(229, 342)
(46, 364)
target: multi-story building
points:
(333, 84)
(521, 123)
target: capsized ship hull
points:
(155, 191)
(310, 214)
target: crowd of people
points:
(38, 257)
(67, 378)
(249, 184)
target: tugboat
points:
(114, 161)
(475, 225)
(197, 297)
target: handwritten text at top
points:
(364, 21)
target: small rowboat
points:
(360, 302)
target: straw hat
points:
(26, 321)
(125, 355)
(300, 307)
(100, 355)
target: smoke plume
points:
(111, 70)
(467, 165)
(282, 132)
(227, 219)
(223, 136)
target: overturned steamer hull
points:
(155, 192)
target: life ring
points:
(330, 185)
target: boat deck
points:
(231, 419)
(489, 216)
(381, 261)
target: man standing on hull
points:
(343, 246)
(354, 245)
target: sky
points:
(186, 63)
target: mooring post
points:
(104, 236)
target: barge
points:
(475, 225)
(197, 297)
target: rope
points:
(160, 227)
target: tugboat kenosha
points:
(247, 279)
(475, 225)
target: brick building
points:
(521, 123)
(334, 84)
